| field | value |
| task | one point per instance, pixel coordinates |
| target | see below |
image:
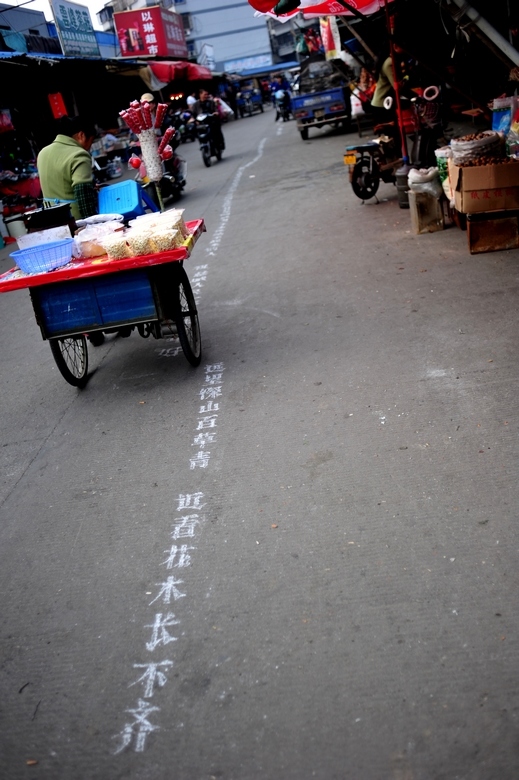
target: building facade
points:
(224, 35)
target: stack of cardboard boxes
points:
(489, 197)
(486, 196)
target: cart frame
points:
(151, 293)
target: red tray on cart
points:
(97, 266)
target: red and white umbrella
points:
(313, 8)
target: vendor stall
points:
(126, 279)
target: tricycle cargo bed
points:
(324, 96)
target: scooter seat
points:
(368, 146)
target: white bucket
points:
(15, 225)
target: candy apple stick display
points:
(143, 122)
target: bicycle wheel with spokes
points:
(71, 356)
(186, 318)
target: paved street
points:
(299, 560)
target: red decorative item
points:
(262, 5)
(146, 114)
(166, 138)
(137, 119)
(167, 152)
(135, 161)
(160, 114)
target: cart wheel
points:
(206, 157)
(365, 179)
(71, 356)
(304, 133)
(186, 318)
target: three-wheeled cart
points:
(151, 293)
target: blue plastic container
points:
(80, 306)
(124, 198)
(44, 257)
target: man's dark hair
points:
(71, 125)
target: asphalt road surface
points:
(298, 560)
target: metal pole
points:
(396, 74)
(355, 34)
(159, 195)
(487, 29)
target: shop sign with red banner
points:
(150, 32)
(57, 105)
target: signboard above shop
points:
(75, 31)
(259, 61)
(150, 32)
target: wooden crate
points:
(493, 231)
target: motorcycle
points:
(210, 145)
(184, 122)
(379, 159)
(283, 105)
(370, 162)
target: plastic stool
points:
(126, 198)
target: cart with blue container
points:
(150, 293)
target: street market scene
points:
(258, 279)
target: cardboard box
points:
(484, 188)
(492, 232)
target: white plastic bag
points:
(425, 180)
(225, 109)
(356, 104)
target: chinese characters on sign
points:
(75, 31)
(150, 32)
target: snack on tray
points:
(173, 219)
(180, 225)
(139, 242)
(116, 246)
(163, 240)
(88, 240)
(145, 220)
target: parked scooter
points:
(210, 144)
(174, 176)
(370, 162)
(380, 158)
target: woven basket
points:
(44, 257)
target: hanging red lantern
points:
(263, 5)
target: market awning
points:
(313, 8)
(169, 70)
